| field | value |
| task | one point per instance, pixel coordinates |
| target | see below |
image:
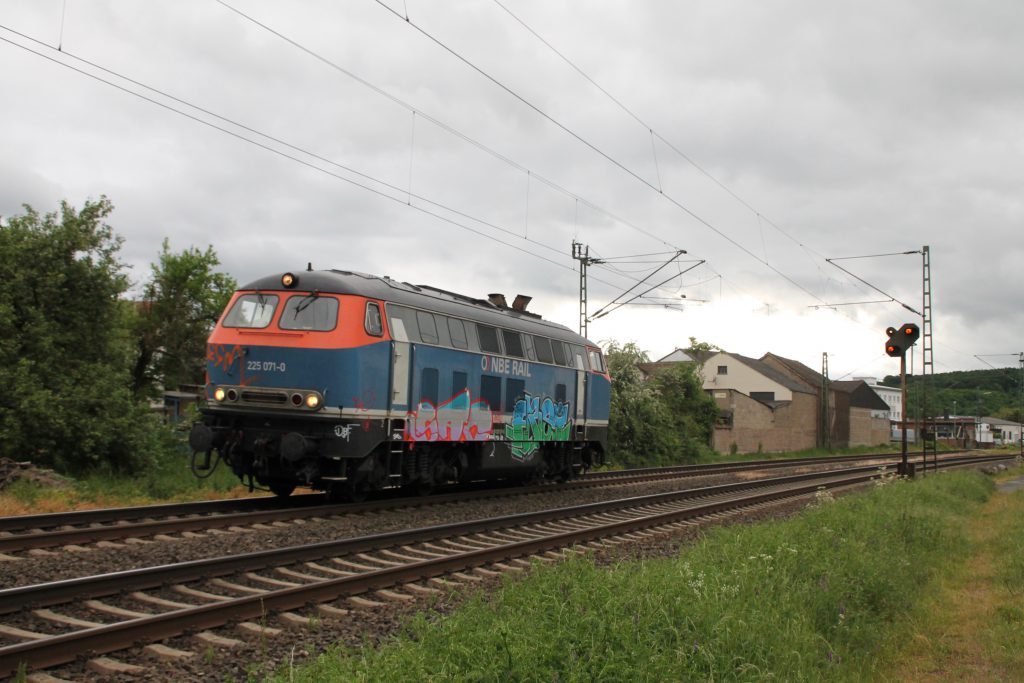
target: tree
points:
(664, 420)
(182, 302)
(64, 348)
(634, 421)
(691, 411)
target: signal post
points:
(899, 341)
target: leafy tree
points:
(1012, 414)
(691, 411)
(182, 301)
(701, 347)
(993, 392)
(664, 420)
(64, 350)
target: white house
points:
(995, 432)
(891, 395)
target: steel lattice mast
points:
(927, 352)
(581, 252)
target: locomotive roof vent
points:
(521, 302)
(498, 300)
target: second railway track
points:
(74, 529)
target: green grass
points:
(1005, 635)
(169, 479)
(817, 596)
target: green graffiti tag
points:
(535, 421)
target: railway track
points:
(48, 623)
(75, 529)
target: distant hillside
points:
(972, 392)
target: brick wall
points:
(866, 430)
(789, 426)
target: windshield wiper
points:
(306, 301)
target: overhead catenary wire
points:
(439, 123)
(400, 199)
(597, 150)
(703, 171)
(860, 279)
(404, 195)
(601, 314)
(597, 313)
(488, 149)
(654, 134)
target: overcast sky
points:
(459, 149)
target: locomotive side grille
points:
(266, 397)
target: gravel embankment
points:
(63, 564)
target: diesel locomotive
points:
(351, 383)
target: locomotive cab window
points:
(252, 310)
(596, 362)
(373, 323)
(311, 312)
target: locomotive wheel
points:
(281, 489)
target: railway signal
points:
(901, 339)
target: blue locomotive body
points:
(351, 383)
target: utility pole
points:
(581, 252)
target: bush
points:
(665, 420)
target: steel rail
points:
(111, 515)
(52, 520)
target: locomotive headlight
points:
(288, 280)
(219, 394)
(313, 401)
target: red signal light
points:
(901, 340)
